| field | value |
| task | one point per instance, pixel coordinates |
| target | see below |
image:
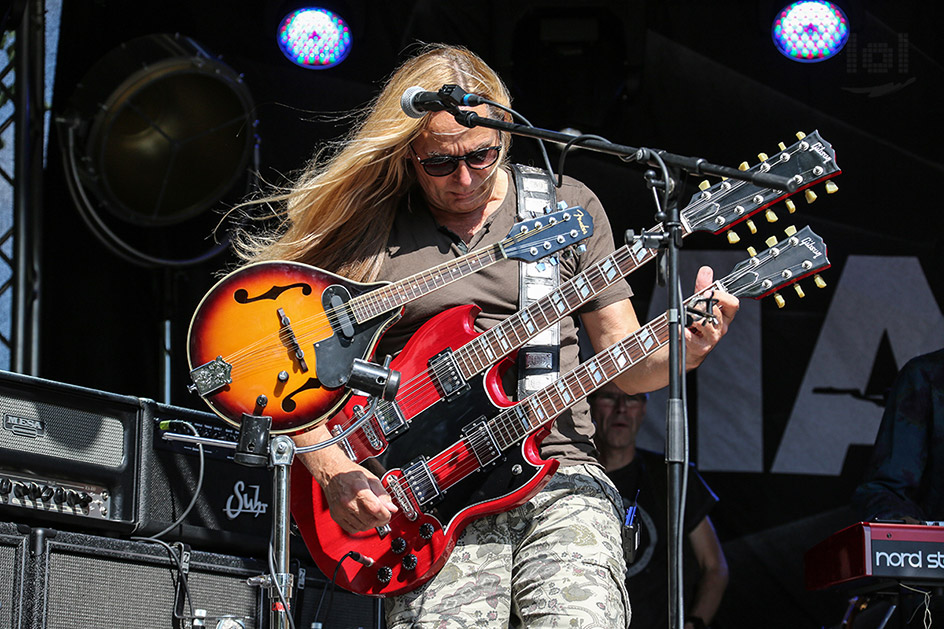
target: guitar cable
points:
(334, 580)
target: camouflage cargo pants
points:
(556, 561)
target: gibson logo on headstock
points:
(24, 427)
(821, 151)
(809, 244)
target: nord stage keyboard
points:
(872, 553)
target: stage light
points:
(314, 38)
(810, 31)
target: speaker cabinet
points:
(14, 563)
(87, 581)
(233, 511)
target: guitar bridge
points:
(445, 375)
(211, 377)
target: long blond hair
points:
(338, 213)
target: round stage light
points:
(314, 38)
(810, 31)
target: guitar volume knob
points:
(384, 575)
(409, 562)
(426, 531)
(398, 546)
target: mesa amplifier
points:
(232, 512)
(68, 454)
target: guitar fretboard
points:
(393, 296)
(502, 338)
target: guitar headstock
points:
(728, 202)
(547, 234)
(798, 256)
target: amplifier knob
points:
(72, 498)
(46, 496)
(5, 486)
(384, 575)
(34, 491)
(84, 499)
(409, 562)
(19, 490)
(60, 496)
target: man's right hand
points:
(356, 498)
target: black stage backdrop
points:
(783, 415)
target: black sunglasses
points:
(442, 165)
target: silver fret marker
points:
(646, 340)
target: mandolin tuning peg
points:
(751, 226)
(799, 291)
(751, 251)
(581, 248)
(770, 242)
(770, 216)
(831, 187)
(733, 238)
(704, 185)
(781, 146)
(791, 230)
(791, 206)
(779, 300)
(744, 166)
(762, 157)
(800, 135)
(819, 281)
(540, 266)
(810, 195)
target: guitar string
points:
(422, 383)
(503, 420)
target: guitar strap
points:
(538, 359)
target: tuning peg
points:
(791, 230)
(540, 266)
(800, 135)
(553, 260)
(791, 206)
(770, 216)
(751, 251)
(581, 248)
(779, 300)
(770, 242)
(733, 238)
(810, 195)
(782, 146)
(831, 187)
(819, 281)
(562, 205)
(799, 291)
(744, 166)
(751, 226)
(704, 185)
(762, 157)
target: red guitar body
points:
(423, 533)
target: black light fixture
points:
(157, 131)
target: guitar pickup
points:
(444, 373)
(421, 482)
(481, 441)
(390, 418)
(211, 377)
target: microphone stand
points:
(256, 448)
(669, 242)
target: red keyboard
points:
(872, 551)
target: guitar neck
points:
(393, 296)
(503, 338)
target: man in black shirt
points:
(618, 417)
